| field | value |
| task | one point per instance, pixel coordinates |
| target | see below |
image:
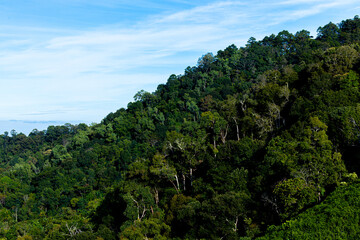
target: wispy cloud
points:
(291, 11)
(212, 13)
(302, 2)
(59, 73)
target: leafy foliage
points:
(249, 138)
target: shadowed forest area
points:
(261, 141)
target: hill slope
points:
(248, 138)
(335, 218)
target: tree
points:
(329, 34)
(303, 167)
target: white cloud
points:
(316, 3)
(219, 11)
(304, 8)
(297, 2)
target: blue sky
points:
(77, 60)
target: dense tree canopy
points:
(252, 137)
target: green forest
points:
(255, 142)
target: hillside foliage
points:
(250, 138)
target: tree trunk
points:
(224, 134)
(191, 176)
(184, 182)
(156, 196)
(237, 129)
(177, 182)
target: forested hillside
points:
(335, 218)
(250, 138)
